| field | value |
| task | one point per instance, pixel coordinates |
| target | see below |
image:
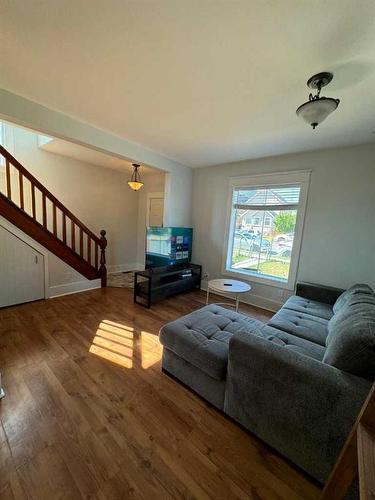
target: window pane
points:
(284, 195)
(263, 242)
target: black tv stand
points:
(157, 283)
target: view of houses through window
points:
(262, 231)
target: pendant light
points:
(317, 108)
(135, 182)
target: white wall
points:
(338, 245)
(59, 278)
(154, 184)
(98, 196)
(18, 110)
(178, 196)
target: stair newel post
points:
(103, 246)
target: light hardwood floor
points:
(89, 414)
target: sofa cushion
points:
(307, 306)
(356, 304)
(302, 325)
(361, 288)
(351, 344)
(293, 343)
(202, 337)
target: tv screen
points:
(167, 246)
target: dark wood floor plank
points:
(89, 414)
(47, 476)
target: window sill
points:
(275, 282)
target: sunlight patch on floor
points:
(115, 337)
(123, 346)
(114, 357)
(151, 350)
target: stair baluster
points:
(103, 246)
(25, 217)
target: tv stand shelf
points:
(157, 283)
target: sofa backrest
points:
(349, 294)
(351, 333)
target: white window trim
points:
(301, 177)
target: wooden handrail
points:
(77, 249)
(47, 193)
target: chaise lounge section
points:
(297, 382)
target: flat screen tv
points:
(168, 246)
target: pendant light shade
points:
(317, 108)
(316, 111)
(135, 182)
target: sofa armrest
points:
(298, 405)
(320, 293)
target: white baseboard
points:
(251, 299)
(68, 288)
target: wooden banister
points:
(33, 205)
(34, 181)
(96, 257)
(64, 228)
(18, 213)
(44, 210)
(103, 269)
(9, 189)
(20, 180)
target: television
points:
(168, 246)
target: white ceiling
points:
(87, 155)
(200, 81)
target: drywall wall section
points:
(339, 234)
(154, 184)
(59, 278)
(178, 193)
(98, 196)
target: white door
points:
(155, 212)
(21, 271)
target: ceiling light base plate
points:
(319, 80)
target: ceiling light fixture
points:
(135, 182)
(317, 108)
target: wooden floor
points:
(89, 414)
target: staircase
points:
(27, 204)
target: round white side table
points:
(234, 287)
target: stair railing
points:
(29, 195)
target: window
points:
(266, 251)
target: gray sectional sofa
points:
(297, 382)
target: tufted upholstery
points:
(293, 343)
(202, 337)
(302, 325)
(307, 306)
(281, 380)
